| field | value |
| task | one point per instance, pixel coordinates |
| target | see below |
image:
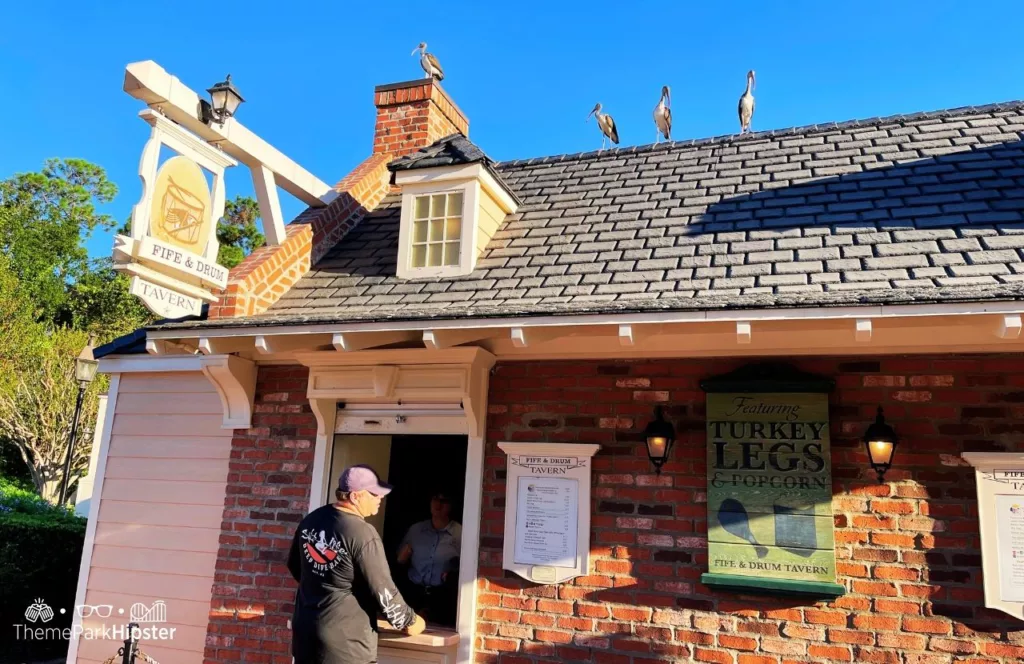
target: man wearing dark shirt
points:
(338, 560)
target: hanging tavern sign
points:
(171, 252)
(770, 526)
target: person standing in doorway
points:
(344, 581)
(431, 548)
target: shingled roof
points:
(921, 208)
(449, 151)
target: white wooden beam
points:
(268, 345)
(523, 337)
(743, 332)
(634, 334)
(150, 83)
(1009, 326)
(223, 346)
(439, 339)
(270, 204)
(352, 341)
(863, 330)
(157, 347)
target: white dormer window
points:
(436, 230)
(449, 214)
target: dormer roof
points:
(453, 150)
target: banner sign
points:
(770, 491)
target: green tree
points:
(37, 403)
(44, 216)
(237, 231)
(100, 302)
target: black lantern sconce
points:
(660, 435)
(881, 441)
(224, 102)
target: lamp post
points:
(881, 441)
(85, 371)
(224, 101)
(660, 435)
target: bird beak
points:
(588, 115)
(414, 50)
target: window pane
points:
(454, 205)
(422, 207)
(451, 253)
(437, 205)
(419, 231)
(436, 230)
(434, 255)
(419, 256)
(453, 228)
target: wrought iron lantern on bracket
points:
(224, 102)
(881, 441)
(659, 434)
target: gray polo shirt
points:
(433, 551)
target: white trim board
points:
(94, 509)
(731, 315)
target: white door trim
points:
(472, 508)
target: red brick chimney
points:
(414, 114)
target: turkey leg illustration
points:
(735, 521)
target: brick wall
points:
(907, 550)
(413, 115)
(267, 495)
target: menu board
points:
(1010, 546)
(546, 521)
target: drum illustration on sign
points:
(181, 206)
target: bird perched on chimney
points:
(746, 108)
(663, 116)
(430, 65)
(605, 124)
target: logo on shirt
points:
(322, 554)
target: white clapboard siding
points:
(160, 511)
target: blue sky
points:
(526, 73)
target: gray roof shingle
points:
(922, 208)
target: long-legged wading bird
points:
(746, 108)
(605, 124)
(431, 67)
(663, 116)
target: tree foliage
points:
(37, 406)
(237, 231)
(44, 216)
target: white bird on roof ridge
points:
(663, 116)
(431, 66)
(606, 124)
(746, 108)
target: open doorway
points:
(419, 467)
